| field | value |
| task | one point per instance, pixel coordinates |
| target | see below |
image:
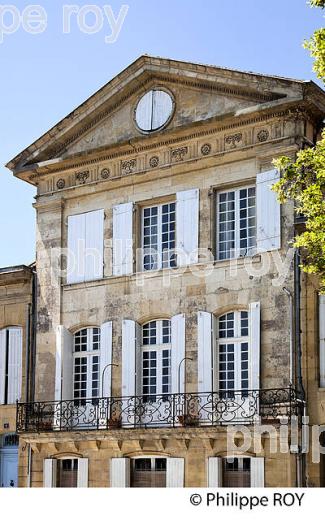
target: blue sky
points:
(45, 76)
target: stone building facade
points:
(166, 289)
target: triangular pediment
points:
(200, 94)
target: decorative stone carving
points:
(233, 140)
(263, 135)
(154, 161)
(105, 173)
(60, 184)
(82, 176)
(179, 153)
(128, 166)
(206, 149)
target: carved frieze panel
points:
(179, 154)
(128, 167)
(233, 141)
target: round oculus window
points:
(154, 110)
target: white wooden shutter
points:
(49, 473)
(215, 472)
(76, 248)
(82, 478)
(175, 472)
(123, 239)
(138, 359)
(3, 342)
(205, 352)
(15, 364)
(128, 358)
(322, 339)
(257, 472)
(106, 359)
(268, 212)
(94, 245)
(187, 227)
(178, 352)
(120, 472)
(254, 347)
(64, 364)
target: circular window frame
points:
(170, 117)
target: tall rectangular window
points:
(236, 223)
(156, 359)
(158, 236)
(86, 364)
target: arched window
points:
(156, 359)
(86, 374)
(233, 352)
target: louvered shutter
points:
(205, 352)
(76, 248)
(215, 472)
(106, 359)
(64, 364)
(257, 472)
(175, 472)
(3, 342)
(120, 472)
(128, 358)
(123, 239)
(254, 348)
(138, 359)
(82, 479)
(94, 245)
(322, 339)
(268, 212)
(187, 227)
(178, 352)
(49, 473)
(15, 364)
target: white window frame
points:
(158, 347)
(234, 253)
(159, 261)
(237, 341)
(89, 354)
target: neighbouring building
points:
(16, 328)
(168, 303)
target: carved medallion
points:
(60, 184)
(154, 161)
(105, 173)
(263, 135)
(82, 176)
(206, 149)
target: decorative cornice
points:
(288, 114)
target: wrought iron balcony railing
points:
(165, 411)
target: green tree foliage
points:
(303, 181)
